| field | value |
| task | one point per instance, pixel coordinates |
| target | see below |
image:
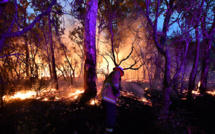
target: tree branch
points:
(29, 27)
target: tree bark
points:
(52, 56)
(166, 87)
(205, 66)
(158, 62)
(193, 73)
(207, 34)
(90, 51)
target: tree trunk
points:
(26, 45)
(52, 56)
(205, 66)
(182, 81)
(82, 68)
(158, 62)
(166, 87)
(90, 51)
(193, 73)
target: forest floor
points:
(133, 116)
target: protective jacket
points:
(111, 87)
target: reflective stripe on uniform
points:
(108, 84)
(108, 99)
(116, 85)
(109, 129)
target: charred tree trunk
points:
(90, 51)
(52, 56)
(182, 81)
(166, 87)
(193, 73)
(207, 34)
(205, 66)
(158, 62)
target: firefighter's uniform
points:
(110, 92)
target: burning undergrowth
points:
(67, 116)
(60, 113)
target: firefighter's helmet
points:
(120, 69)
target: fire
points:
(211, 93)
(144, 100)
(147, 102)
(44, 95)
(75, 95)
(93, 102)
(195, 92)
(20, 95)
(46, 99)
(199, 84)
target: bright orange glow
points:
(199, 84)
(93, 102)
(76, 93)
(211, 92)
(195, 92)
(46, 99)
(144, 100)
(20, 95)
(44, 95)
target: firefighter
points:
(110, 92)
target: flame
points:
(199, 84)
(75, 95)
(93, 102)
(44, 95)
(20, 95)
(46, 99)
(195, 92)
(211, 93)
(144, 100)
(57, 98)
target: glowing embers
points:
(94, 102)
(134, 97)
(211, 92)
(76, 94)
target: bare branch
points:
(29, 27)
(128, 54)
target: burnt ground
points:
(59, 117)
(134, 117)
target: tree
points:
(12, 26)
(197, 11)
(90, 51)
(208, 31)
(152, 10)
(24, 30)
